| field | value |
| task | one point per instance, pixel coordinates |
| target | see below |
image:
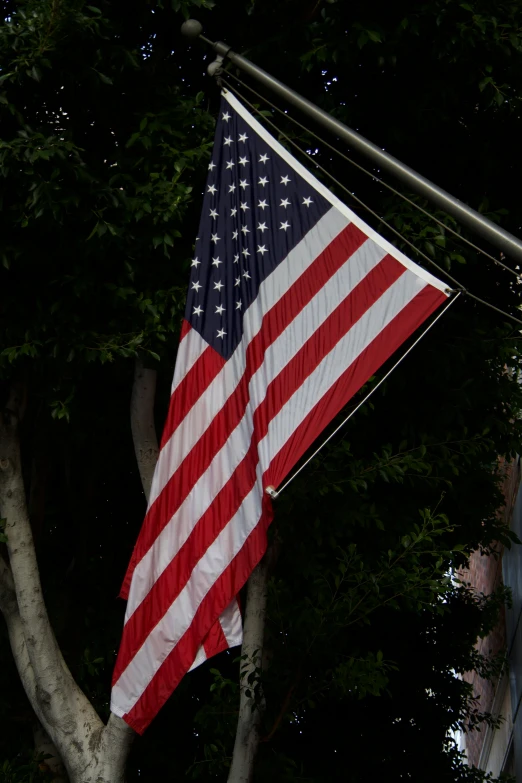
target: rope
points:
(415, 249)
(378, 179)
(275, 493)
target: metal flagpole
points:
(503, 240)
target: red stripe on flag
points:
(381, 348)
(185, 329)
(215, 640)
(193, 385)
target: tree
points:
(105, 141)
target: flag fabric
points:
(293, 303)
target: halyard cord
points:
(375, 177)
(459, 286)
(275, 493)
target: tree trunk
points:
(142, 423)
(90, 751)
(251, 700)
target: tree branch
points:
(142, 423)
(61, 706)
(7, 590)
(251, 700)
(9, 608)
(116, 737)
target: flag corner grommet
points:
(272, 491)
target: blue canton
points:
(256, 208)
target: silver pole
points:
(503, 240)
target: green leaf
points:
(103, 78)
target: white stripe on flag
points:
(189, 351)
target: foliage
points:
(26, 768)
(106, 125)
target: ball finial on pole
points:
(191, 29)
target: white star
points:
(262, 249)
(230, 164)
(225, 116)
(245, 230)
(197, 310)
(285, 180)
(262, 181)
(263, 158)
(243, 137)
(213, 214)
(211, 189)
(262, 227)
(221, 333)
(236, 259)
(243, 184)
(307, 201)
(195, 262)
(284, 203)
(238, 280)
(216, 262)
(262, 204)
(244, 206)
(238, 305)
(227, 142)
(243, 161)
(211, 166)
(220, 309)
(246, 275)
(214, 238)
(245, 252)
(218, 286)
(285, 225)
(234, 235)
(231, 188)
(233, 212)
(196, 286)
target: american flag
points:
(293, 303)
